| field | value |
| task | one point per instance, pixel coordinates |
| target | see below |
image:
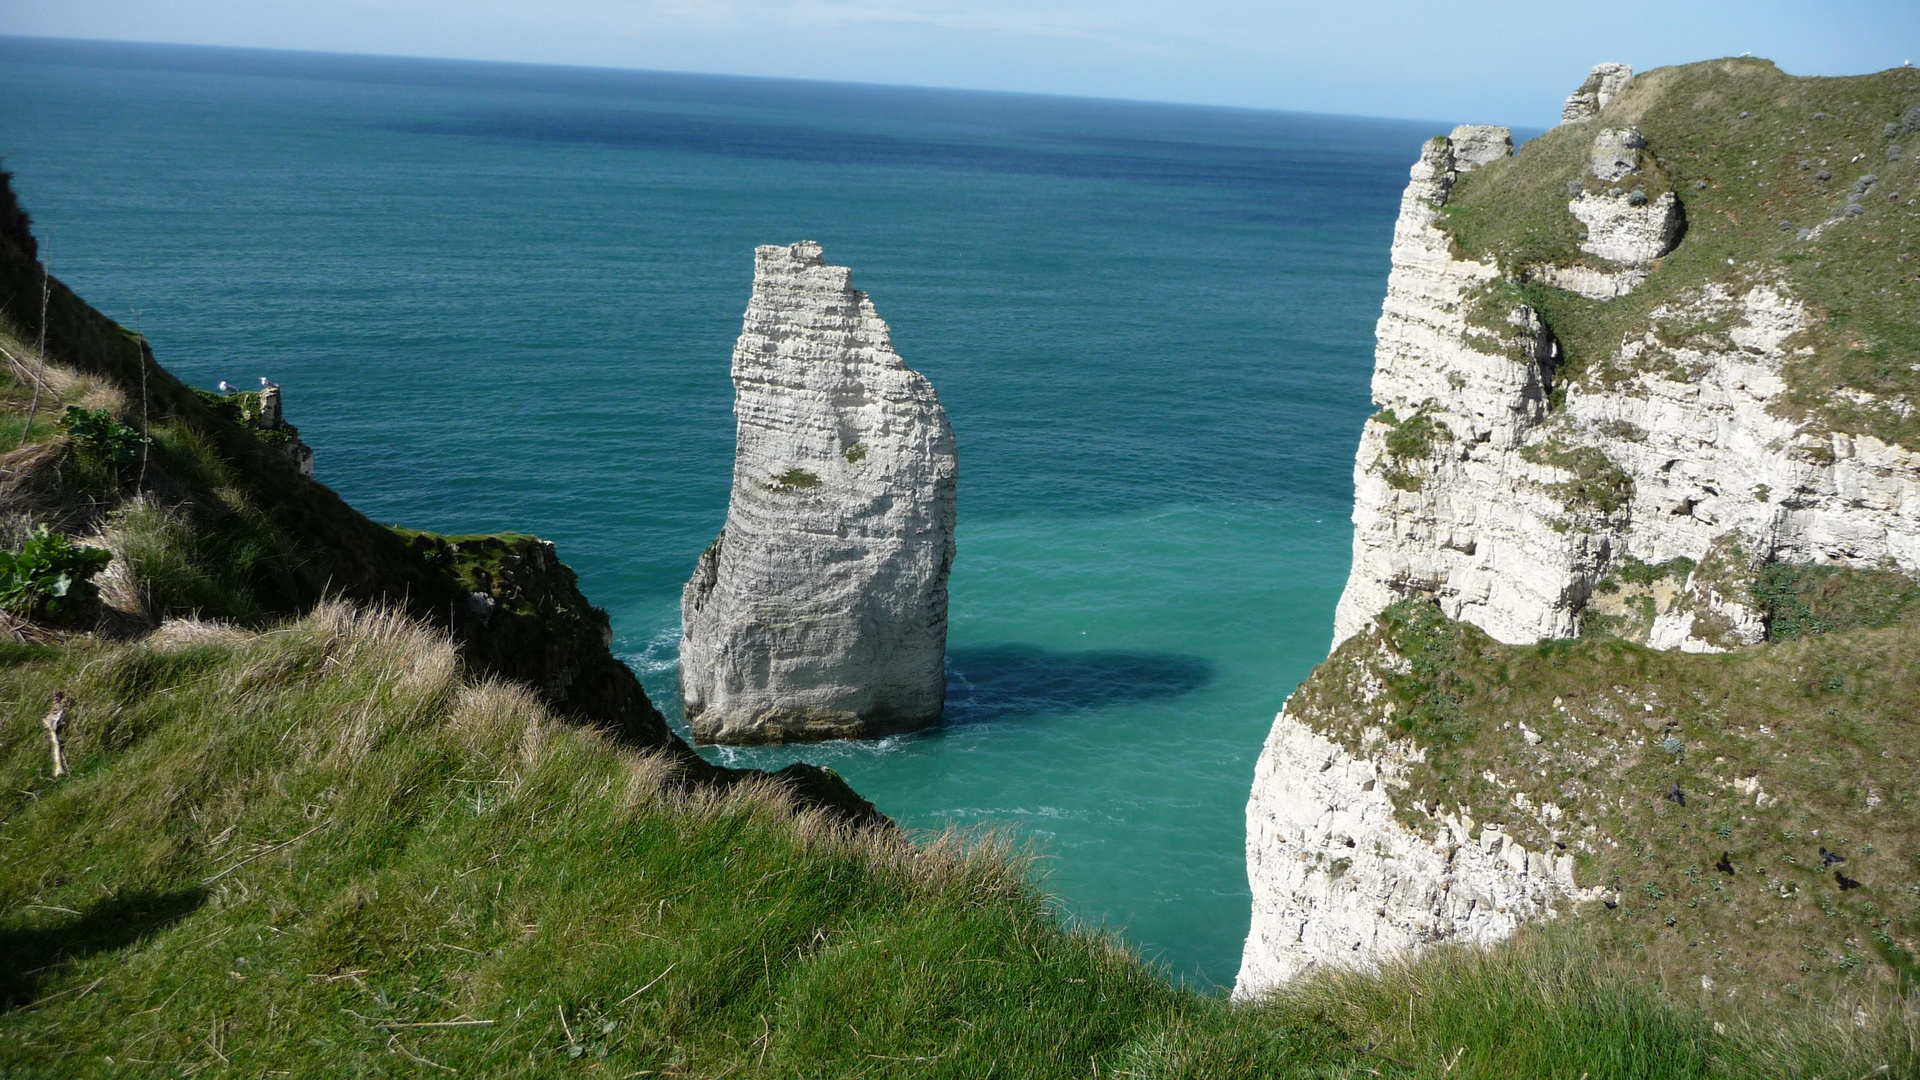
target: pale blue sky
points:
(1500, 61)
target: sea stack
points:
(821, 610)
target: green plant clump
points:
(1410, 440)
(796, 480)
(50, 575)
(1431, 687)
(1797, 600)
(96, 429)
(1598, 485)
(1637, 572)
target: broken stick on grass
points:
(56, 719)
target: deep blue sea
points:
(504, 297)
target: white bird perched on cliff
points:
(265, 385)
(228, 388)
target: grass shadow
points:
(998, 682)
(114, 923)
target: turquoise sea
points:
(504, 297)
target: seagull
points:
(265, 385)
(228, 388)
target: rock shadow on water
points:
(1002, 682)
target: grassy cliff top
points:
(1700, 789)
(1757, 158)
(323, 850)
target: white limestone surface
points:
(1603, 84)
(821, 611)
(1626, 229)
(1411, 532)
(1616, 153)
(1475, 145)
(1483, 524)
(1338, 880)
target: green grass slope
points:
(1758, 159)
(322, 849)
(1701, 790)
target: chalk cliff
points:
(1616, 380)
(821, 611)
(1495, 483)
(1339, 879)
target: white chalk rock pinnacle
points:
(821, 611)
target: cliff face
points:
(1624, 392)
(1739, 823)
(821, 611)
(1550, 418)
(1341, 880)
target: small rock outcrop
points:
(1628, 228)
(1475, 145)
(821, 611)
(1616, 154)
(1339, 880)
(1603, 84)
(1625, 226)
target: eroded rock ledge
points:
(1340, 879)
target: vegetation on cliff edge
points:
(326, 848)
(1813, 182)
(1750, 815)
